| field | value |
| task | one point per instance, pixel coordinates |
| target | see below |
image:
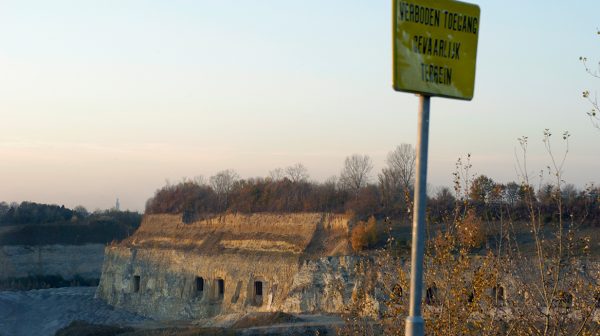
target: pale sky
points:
(107, 99)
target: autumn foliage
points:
(470, 230)
(364, 235)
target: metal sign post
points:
(414, 321)
(434, 54)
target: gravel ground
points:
(43, 311)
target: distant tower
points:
(118, 205)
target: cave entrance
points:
(220, 288)
(199, 285)
(136, 283)
(258, 293)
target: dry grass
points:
(273, 233)
(261, 245)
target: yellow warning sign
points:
(435, 47)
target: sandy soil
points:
(42, 312)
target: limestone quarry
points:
(67, 261)
(234, 263)
(300, 263)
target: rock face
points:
(330, 284)
(64, 260)
(232, 264)
(294, 263)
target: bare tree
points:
(199, 180)
(401, 165)
(276, 174)
(222, 183)
(397, 179)
(444, 194)
(297, 173)
(511, 193)
(390, 188)
(332, 182)
(355, 174)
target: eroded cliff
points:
(232, 264)
(67, 261)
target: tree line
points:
(32, 223)
(355, 190)
(33, 213)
